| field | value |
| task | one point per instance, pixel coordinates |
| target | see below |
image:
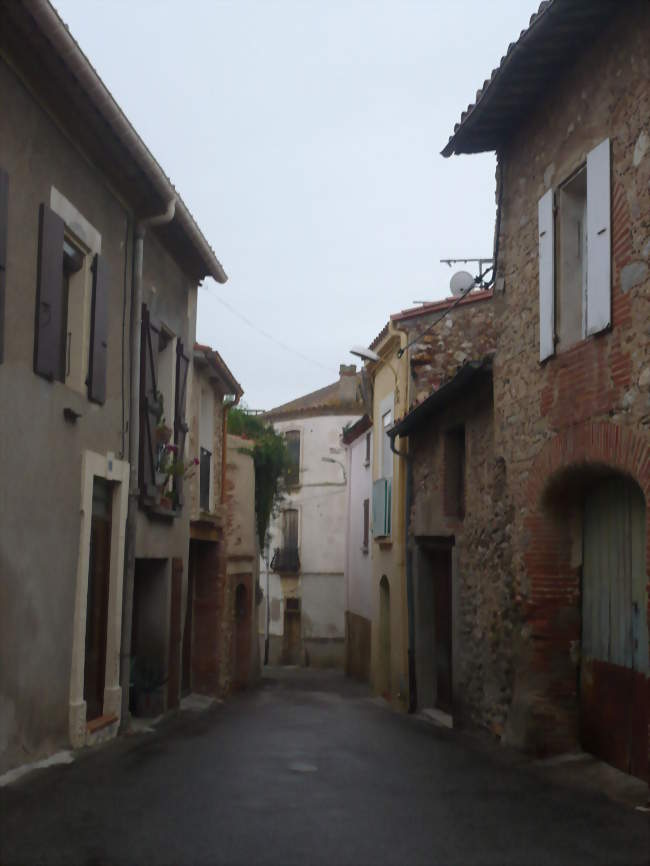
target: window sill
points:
(385, 543)
(159, 511)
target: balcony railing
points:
(286, 560)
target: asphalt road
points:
(307, 769)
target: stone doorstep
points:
(438, 717)
(100, 723)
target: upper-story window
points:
(366, 461)
(164, 372)
(575, 255)
(292, 471)
(71, 333)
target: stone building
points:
(453, 505)
(567, 114)
(88, 221)
(303, 582)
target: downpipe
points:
(134, 451)
(408, 461)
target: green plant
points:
(269, 453)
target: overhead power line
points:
(264, 333)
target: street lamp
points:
(369, 355)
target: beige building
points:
(78, 190)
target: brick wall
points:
(586, 407)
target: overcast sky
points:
(305, 137)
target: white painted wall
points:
(358, 563)
(321, 500)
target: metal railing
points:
(286, 559)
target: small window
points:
(366, 525)
(292, 605)
(292, 472)
(366, 461)
(387, 454)
(455, 473)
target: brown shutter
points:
(48, 357)
(149, 408)
(180, 425)
(98, 332)
(4, 214)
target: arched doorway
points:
(614, 651)
(242, 637)
(384, 637)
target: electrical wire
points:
(263, 333)
(477, 281)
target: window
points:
(286, 558)
(163, 388)
(366, 461)
(381, 507)
(366, 525)
(386, 454)
(71, 334)
(455, 473)
(206, 462)
(575, 256)
(292, 472)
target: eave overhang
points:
(557, 32)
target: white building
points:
(303, 582)
(358, 442)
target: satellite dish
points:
(461, 282)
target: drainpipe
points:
(134, 450)
(413, 696)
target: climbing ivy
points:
(269, 453)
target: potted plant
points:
(171, 466)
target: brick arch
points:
(601, 443)
(552, 610)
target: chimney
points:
(348, 383)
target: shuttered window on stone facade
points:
(4, 218)
(575, 256)
(49, 359)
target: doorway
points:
(441, 575)
(614, 658)
(384, 637)
(292, 632)
(97, 599)
(186, 678)
(242, 636)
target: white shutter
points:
(546, 276)
(599, 239)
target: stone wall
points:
(588, 406)
(466, 333)
(484, 613)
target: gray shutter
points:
(599, 239)
(98, 332)
(546, 276)
(48, 356)
(149, 408)
(180, 425)
(4, 215)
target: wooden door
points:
(97, 600)
(441, 561)
(292, 637)
(173, 682)
(186, 683)
(614, 659)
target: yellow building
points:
(389, 655)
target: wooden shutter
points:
(180, 425)
(599, 239)
(150, 408)
(4, 215)
(546, 276)
(98, 332)
(366, 523)
(48, 356)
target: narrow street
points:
(309, 768)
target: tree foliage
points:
(269, 452)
